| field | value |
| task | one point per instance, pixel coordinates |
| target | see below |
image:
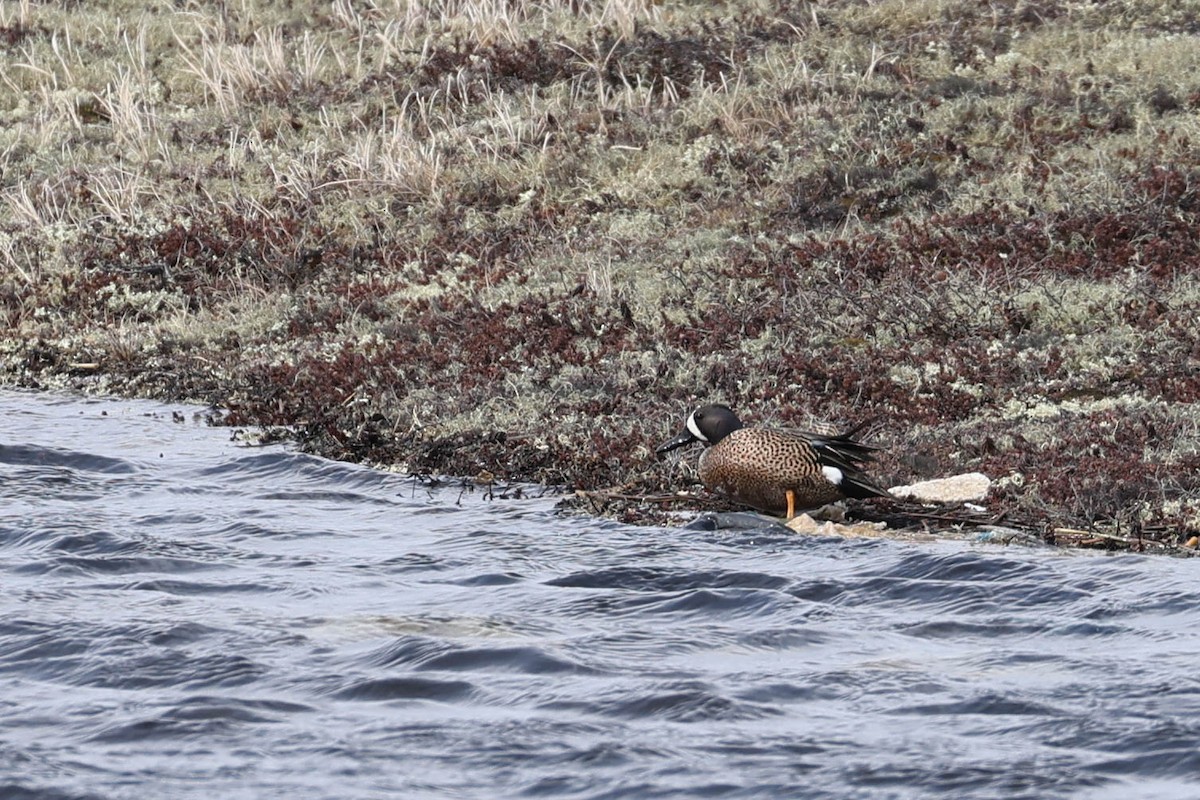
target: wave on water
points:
(188, 617)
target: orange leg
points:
(791, 498)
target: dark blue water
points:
(187, 617)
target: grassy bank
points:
(523, 239)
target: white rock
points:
(965, 488)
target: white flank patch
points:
(833, 475)
(694, 429)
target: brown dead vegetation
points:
(522, 243)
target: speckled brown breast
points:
(756, 466)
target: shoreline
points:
(525, 246)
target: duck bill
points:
(679, 441)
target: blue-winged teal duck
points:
(772, 469)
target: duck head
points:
(708, 424)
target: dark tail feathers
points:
(847, 454)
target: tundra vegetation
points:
(519, 240)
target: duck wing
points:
(846, 454)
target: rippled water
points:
(186, 617)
